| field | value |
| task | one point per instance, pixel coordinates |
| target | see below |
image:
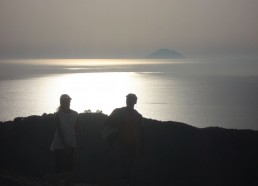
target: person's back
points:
(128, 140)
(64, 141)
(67, 121)
(131, 123)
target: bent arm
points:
(142, 132)
(111, 120)
(77, 129)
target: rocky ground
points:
(175, 154)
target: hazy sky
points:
(127, 28)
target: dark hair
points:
(132, 97)
(61, 103)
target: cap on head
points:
(65, 97)
(132, 97)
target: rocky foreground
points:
(175, 154)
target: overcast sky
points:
(127, 28)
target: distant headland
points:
(165, 54)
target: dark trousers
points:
(127, 156)
(64, 160)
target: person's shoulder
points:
(57, 113)
(74, 112)
(117, 110)
(138, 114)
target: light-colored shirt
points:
(67, 122)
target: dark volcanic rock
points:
(175, 153)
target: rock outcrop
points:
(175, 153)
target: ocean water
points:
(201, 93)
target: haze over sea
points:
(201, 93)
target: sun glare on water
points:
(95, 91)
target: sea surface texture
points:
(201, 93)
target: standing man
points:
(64, 141)
(128, 138)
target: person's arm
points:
(110, 131)
(112, 120)
(141, 128)
(78, 130)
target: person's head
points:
(131, 100)
(65, 100)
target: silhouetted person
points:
(127, 139)
(64, 141)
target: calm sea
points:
(201, 93)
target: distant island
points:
(165, 54)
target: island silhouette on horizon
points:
(165, 54)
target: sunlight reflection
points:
(94, 62)
(95, 91)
